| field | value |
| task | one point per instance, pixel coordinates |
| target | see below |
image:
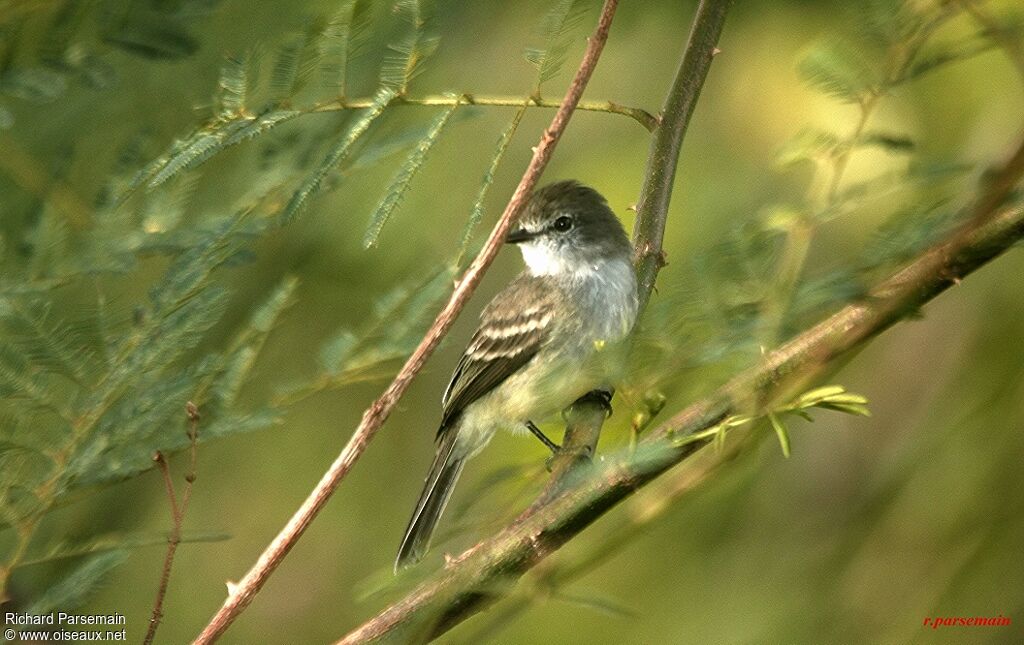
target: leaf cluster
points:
(79, 41)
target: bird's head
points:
(568, 228)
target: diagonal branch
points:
(374, 417)
(477, 576)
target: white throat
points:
(542, 259)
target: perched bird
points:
(538, 345)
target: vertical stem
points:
(177, 516)
(656, 193)
(652, 209)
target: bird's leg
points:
(602, 398)
(552, 446)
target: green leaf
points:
(336, 351)
(44, 343)
(942, 54)
(71, 592)
(557, 28)
(839, 70)
(297, 59)
(809, 144)
(206, 142)
(477, 212)
(111, 542)
(163, 210)
(597, 603)
(406, 62)
(396, 326)
(233, 87)
(781, 433)
(848, 408)
(247, 345)
(403, 178)
(812, 397)
(380, 148)
(338, 152)
(832, 397)
(888, 141)
(22, 466)
(261, 123)
(344, 39)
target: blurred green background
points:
(870, 527)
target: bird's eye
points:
(562, 224)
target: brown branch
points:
(656, 193)
(470, 581)
(374, 417)
(177, 516)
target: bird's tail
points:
(437, 490)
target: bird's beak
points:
(519, 235)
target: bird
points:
(540, 341)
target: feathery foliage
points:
(408, 55)
(476, 214)
(762, 291)
(392, 332)
(70, 592)
(403, 178)
(557, 30)
(341, 149)
(73, 49)
(344, 39)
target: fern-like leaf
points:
(65, 549)
(71, 592)
(406, 61)
(246, 346)
(201, 145)
(345, 37)
(394, 329)
(46, 344)
(839, 70)
(297, 59)
(557, 31)
(476, 214)
(400, 184)
(233, 87)
(338, 152)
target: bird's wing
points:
(512, 330)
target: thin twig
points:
(469, 581)
(374, 417)
(177, 515)
(641, 116)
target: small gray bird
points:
(538, 346)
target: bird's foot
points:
(602, 398)
(551, 445)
